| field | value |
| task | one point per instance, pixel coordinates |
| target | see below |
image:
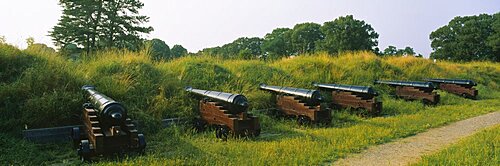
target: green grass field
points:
(40, 89)
(479, 149)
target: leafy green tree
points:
(304, 37)
(159, 49)
(70, 50)
(232, 50)
(30, 41)
(95, 24)
(390, 50)
(406, 51)
(494, 39)
(211, 51)
(277, 43)
(347, 34)
(465, 39)
(245, 54)
(178, 51)
(244, 43)
(2, 40)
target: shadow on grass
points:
(174, 143)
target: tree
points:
(30, 41)
(178, 51)
(465, 39)
(251, 46)
(70, 50)
(244, 43)
(277, 43)
(95, 24)
(347, 34)
(407, 51)
(304, 37)
(2, 40)
(390, 50)
(245, 54)
(159, 49)
(494, 39)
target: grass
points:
(478, 149)
(37, 86)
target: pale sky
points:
(198, 24)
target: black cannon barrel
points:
(351, 88)
(235, 99)
(305, 93)
(452, 81)
(406, 83)
(108, 109)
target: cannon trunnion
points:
(227, 112)
(413, 90)
(106, 128)
(464, 88)
(304, 104)
(357, 97)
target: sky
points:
(198, 24)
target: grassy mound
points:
(42, 89)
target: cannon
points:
(304, 104)
(413, 90)
(357, 97)
(227, 112)
(464, 88)
(106, 128)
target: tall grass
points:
(43, 90)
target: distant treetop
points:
(96, 24)
(468, 38)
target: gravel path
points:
(409, 150)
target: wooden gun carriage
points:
(464, 88)
(357, 97)
(106, 128)
(304, 104)
(413, 90)
(227, 112)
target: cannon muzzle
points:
(108, 109)
(350, 88)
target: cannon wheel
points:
(251, 133)
(303, 120)
(84, 151)
(256, 133)
(467, 96)
(199, 125)
(221, 132)
(75, 136)
(428, 102)
(142, 143)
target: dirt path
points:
(409, 150)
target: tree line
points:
(339, 35)
(90, 25)
(468, 38)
